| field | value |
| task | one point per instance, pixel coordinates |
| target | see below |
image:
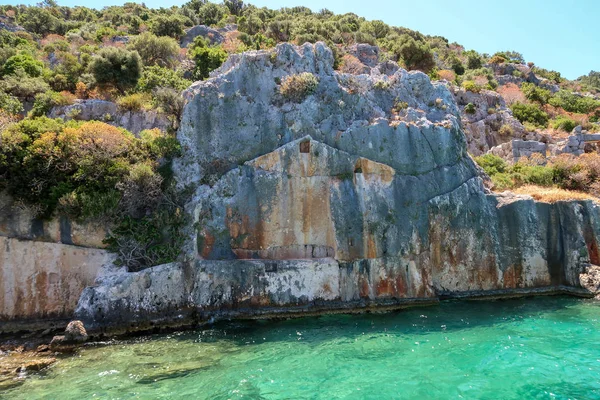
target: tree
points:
(206, 58)
(211, 13)
(473, 59)
(235, 6)
(154, 50)
(38, 20)
(592, 79)
(24, 61)
(534, 93)
(415, 54)
(168, 25)
(118, 67)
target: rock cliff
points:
(358, 194)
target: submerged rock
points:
(75, 334)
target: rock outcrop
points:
(109, 112)
(361, 194)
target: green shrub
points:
(206, 58)
(529, 113)
(297, 87)
(135, 102)
(563, 123)
(25, 62)
(535, 93)
(591, 80)
(414, 54)
(154, 50)
(492, 164)
(117, 67)
(506, 130)
(211, 13)
(10, 104)
(168, 25)
(169, 101)
(474, 60)
(470, 108)
(158, 77)
(471, 86)
(505, 176)
(45, 101)
(550, 75)
(22, 85)
(573, 102)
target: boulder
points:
(75, 334)
(590, 279)
(213, 36)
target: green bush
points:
(470, 108)
(25, 62)
(154, 50)
(158, 77)
(573, 102)
(550, 75)
(211, 13)
(474, 60)
(591, 80)
(168, 25)
(505, 176)
(530, 113)
(297, 87)
(135, 102)
(563, 123)
(22, 85)
(206, 58)
(414, 54)
(45, 101)
(471, 86)
(535, 93)
(117, 67)
(492, 164)
(10, 104)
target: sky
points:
(562, 35)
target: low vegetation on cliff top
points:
(559, 175)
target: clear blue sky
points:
(563, 35)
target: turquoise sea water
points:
(535, 348)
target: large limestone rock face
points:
(360, 195)
(240, 115)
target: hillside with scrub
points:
(91, 100)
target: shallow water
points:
(546, 348)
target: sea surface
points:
(533, 348)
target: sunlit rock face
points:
(360, 194)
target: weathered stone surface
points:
(361, 195)
(345, 112)
(214, 36)
(590, 279)
(366, 53)
(19, 221)
(109, 112)
(483, 128)
(523, 148)
(40, 282)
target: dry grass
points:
(553, 194)
(511, 93)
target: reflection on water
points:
(514, 349)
